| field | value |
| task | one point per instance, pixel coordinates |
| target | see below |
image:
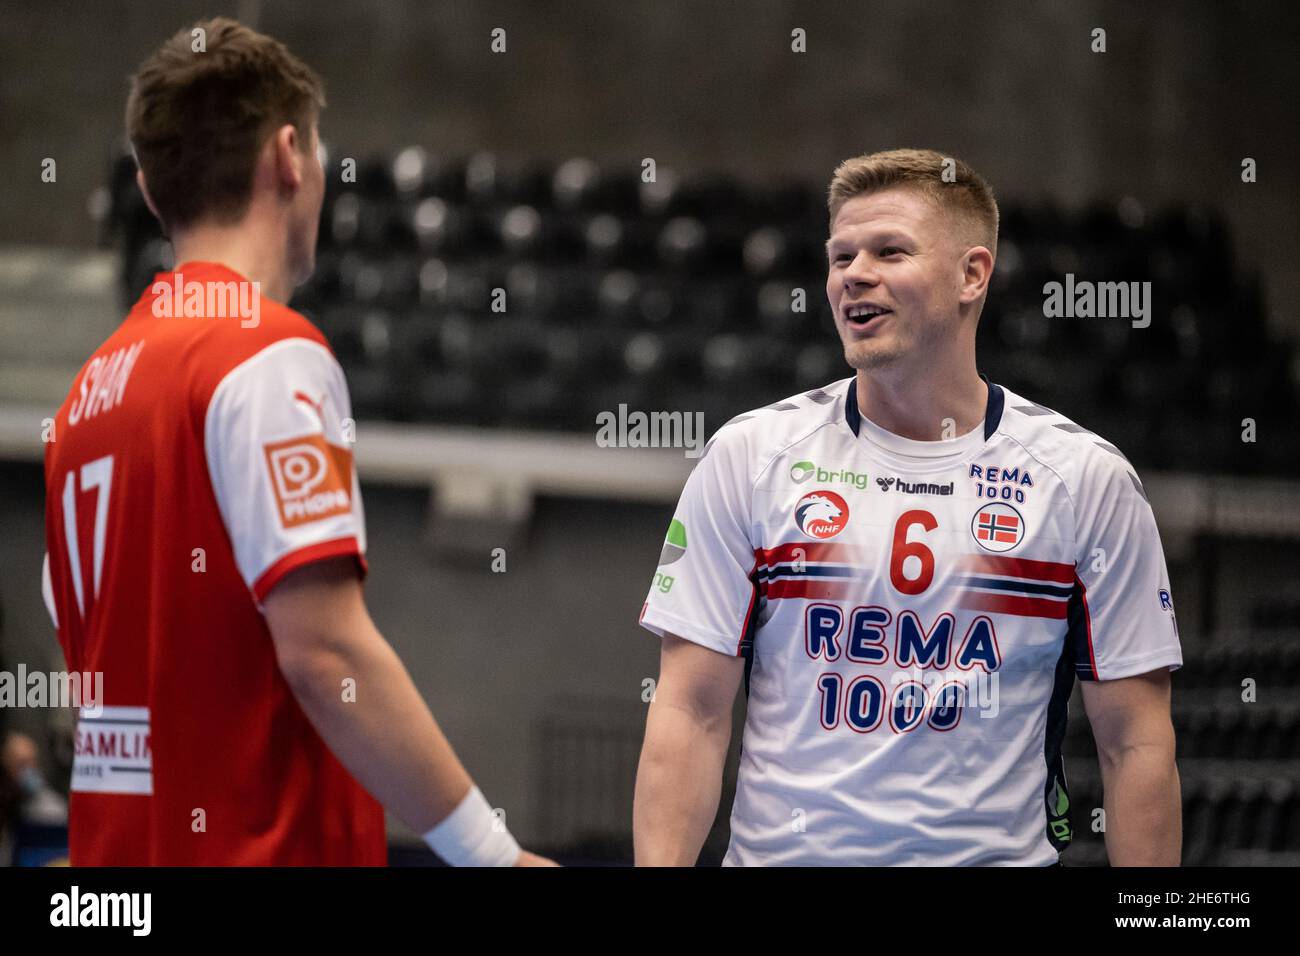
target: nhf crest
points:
(821, 514)
(997, 527)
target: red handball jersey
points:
(201, 455)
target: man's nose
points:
(861, 271)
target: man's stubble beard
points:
(871, 355)
(868, 355)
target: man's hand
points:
(386, 737)
(532, 859)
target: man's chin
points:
(869, 356)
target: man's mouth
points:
(861, 314)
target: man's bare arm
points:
(387, 737)
(688, 730)
(1135, 745)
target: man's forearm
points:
(386, 737)
(1143, 802)
(678, 786)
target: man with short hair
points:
(204, 522)
(909, 567)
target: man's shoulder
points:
(1078, 455)
(226, 346)
(758, 435)
(273, 323)
(285, 322)
(210, 313)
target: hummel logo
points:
(914, 487)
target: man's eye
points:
(891, 251)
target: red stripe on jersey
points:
(809, 551)
(1011, 604)
(811, 588)
(1052, 571)
(339, 547)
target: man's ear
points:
(144, 191)
(977, 271)
(288, 156)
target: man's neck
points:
(253, 255)
(929, 406)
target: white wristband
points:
(472, 836)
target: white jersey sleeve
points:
(1123, 615)
(704, 589)
(280, 462)
(47, 591)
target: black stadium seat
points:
(705, 266)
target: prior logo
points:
(885, 483)
(801, 471)
(312, 479)
(821, 514)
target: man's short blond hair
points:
(950, 184)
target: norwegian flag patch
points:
(998, 527)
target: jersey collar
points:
(992, 413)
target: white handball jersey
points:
(913, 616)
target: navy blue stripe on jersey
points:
(811, 581)
(749, 630)
(1079, 633)
(745, 643)
(1056, 793)
(852, 414)
(1023, 587)
(993, 412)
(1018, 586)
(811, 570)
